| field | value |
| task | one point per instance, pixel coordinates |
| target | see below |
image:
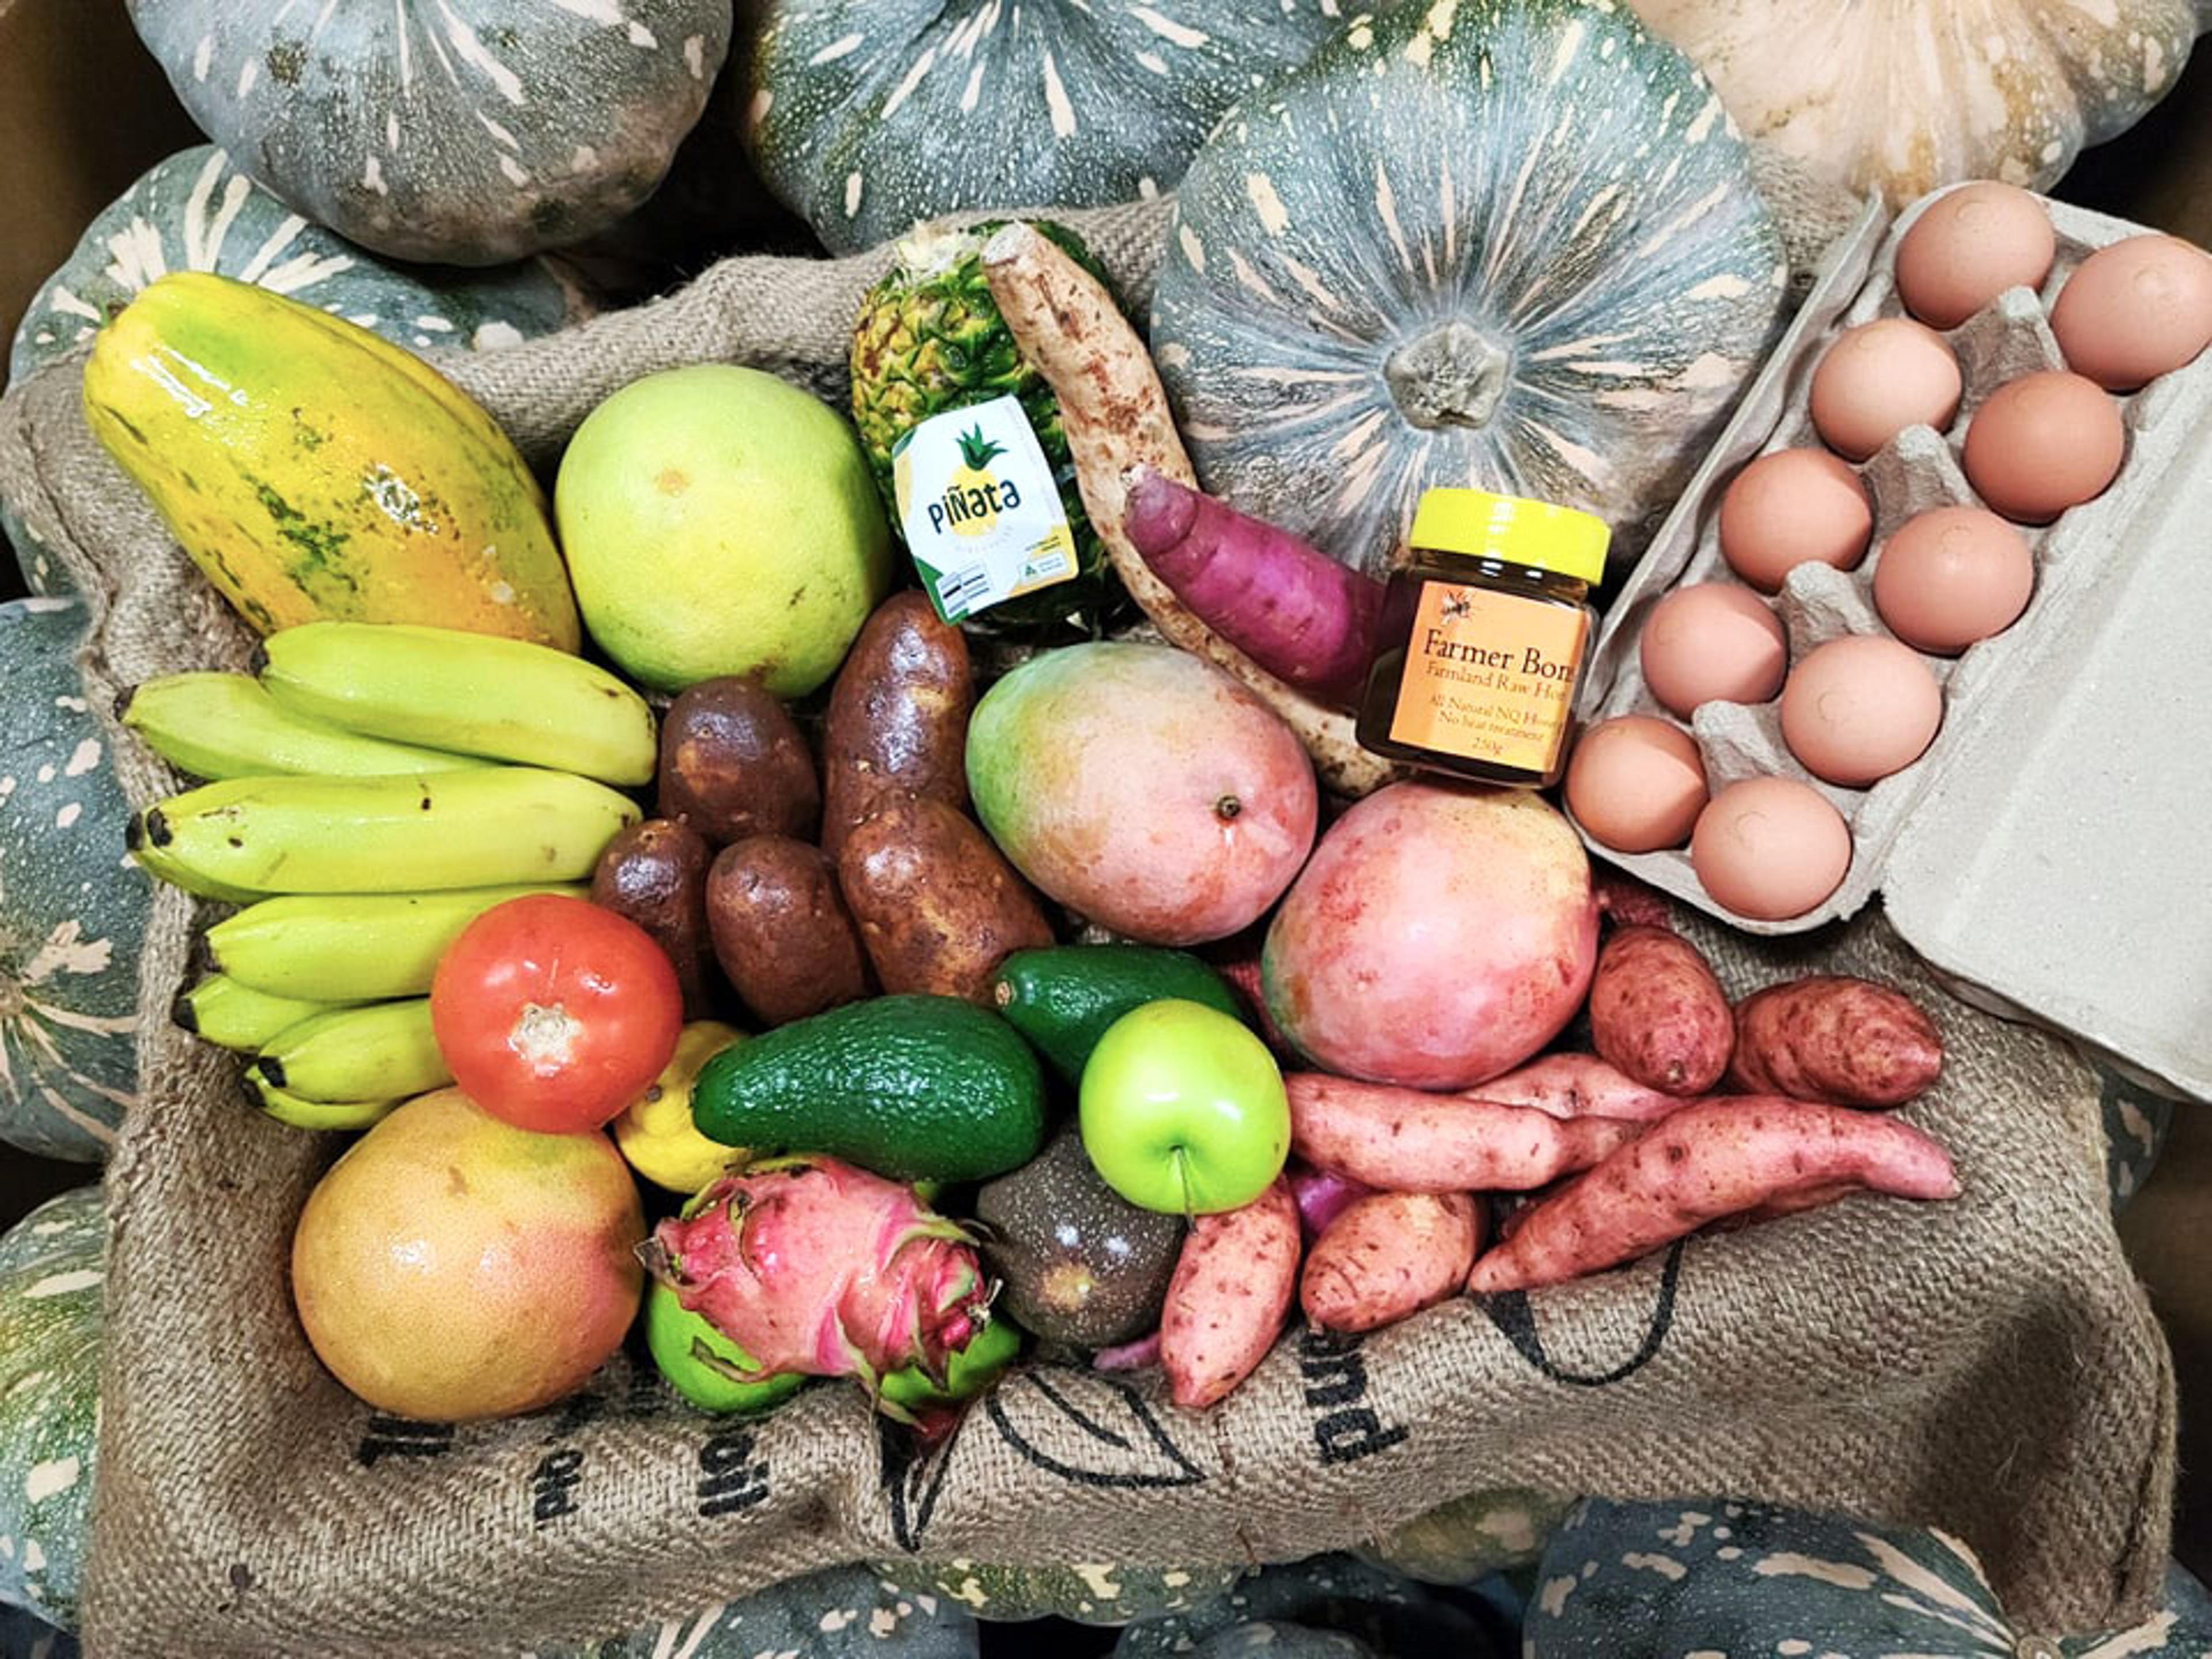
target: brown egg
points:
(2134, 310)
(1860, 707)
(1712, 643)
(1792, 508)
(1880, 378)
(1770, 848)
(2044, 443)
(1952, 576)
(1970, 245)
(1636, 783)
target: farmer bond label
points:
(1488, 676)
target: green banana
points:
(352, 947)
(227, 725)
(289, 1109)
(156, 862)
(221, 1010)
(384, 1051)
(482, 827)
(470, 693)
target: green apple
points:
(682, 1342)
(1183, 1111)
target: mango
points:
(1143, 788)
(1440, 937)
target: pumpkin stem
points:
(1450, 376)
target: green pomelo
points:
(718, 520)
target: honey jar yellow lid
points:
(1513, 530)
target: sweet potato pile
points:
(1624, 1151)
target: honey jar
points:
(1484, 631)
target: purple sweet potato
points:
(1847, 1041)
(1721, 1157)
(1656, 1012)
(1294, 610)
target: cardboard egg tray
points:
(2048, 854)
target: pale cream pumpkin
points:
(1903, 95)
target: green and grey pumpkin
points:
(50, 1325)
(1380, 1609)
(847, 1612)
(2136, 1123)
(26, 1636)
(867, 116)
(198, 211)
(72, 912)
(1466, 1540)
(461, 131)
(1101, 1593)
(1509, 244)
(1659, 1581)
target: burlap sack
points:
(1987, 1366)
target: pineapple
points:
(929, 338)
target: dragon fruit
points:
(814, 1266)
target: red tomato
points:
(555, 1014)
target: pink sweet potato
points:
(1290, 607)
(1387, 1257)
(1656, 1012)
(1847, 1041)
(1720, 1157)
(1401, 1140)
(1232, 1285)
(1626, 901)
(1579, 1085)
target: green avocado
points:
(914, 1088)
(1064, 997)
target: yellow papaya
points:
(315, 472)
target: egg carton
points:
(2047, 854)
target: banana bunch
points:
(374, 790)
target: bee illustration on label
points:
(1455, 605)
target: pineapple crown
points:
(976, 450)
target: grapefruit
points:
(718, 520)
(451, 1268)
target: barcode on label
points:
(960, 590)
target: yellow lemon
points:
(655, 1133)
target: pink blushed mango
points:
(1439, 938)
(1144, 789)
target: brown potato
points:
(939, 906)
(655, 873)
(732, 764)
(898, 717)
(782, 932)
